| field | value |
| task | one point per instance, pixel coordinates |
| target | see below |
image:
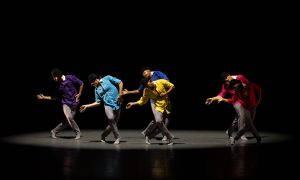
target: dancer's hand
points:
(82, 108)
(208, 101)
(40, 96)
(129, 105)
(125, 91)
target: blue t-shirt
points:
(107, 92)
(155, 76)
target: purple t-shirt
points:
(68, 90)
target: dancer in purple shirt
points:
(69, 97)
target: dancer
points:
(69, 96)
(153, 75)
(226, 78)
(158, 91)
(107, 93)
(246, 98)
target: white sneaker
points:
(117, 141)
(143, 133)
(170, 142)
(77, 136)
(164, 138)
(53, 134)
(244, 138)
(147, 140)
(102, 139)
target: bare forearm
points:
(48, 98)
(170, 90)
(43, 97)
(134, 103)
(80, 89)
(94, 104)
(130, 104)
(121, 88)
(225, 100)
(212, 99)
(217, 97)
(131, 92)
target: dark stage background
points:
(192, 52)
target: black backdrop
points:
(191, 53)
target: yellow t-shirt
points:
(162, 104)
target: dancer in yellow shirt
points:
(157, 91)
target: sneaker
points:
(53, 134)
(103, 139)
(170, 142)
(164, 138)
(147, 140)
(231, 140)
(244, 138)
(77, 136)
(143, 133)
(117, 141)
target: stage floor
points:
(198, 154)
(133, 139)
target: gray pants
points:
(245, 122)
(236, 123)
(113, 118)
(156, 130)
(158, 123)
(70, 114)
